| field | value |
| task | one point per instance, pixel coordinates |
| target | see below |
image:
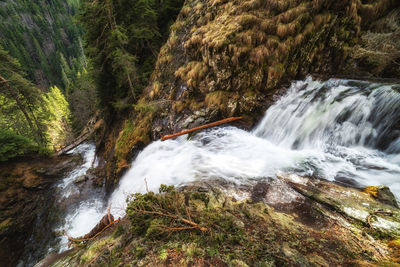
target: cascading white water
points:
(341, 130)
(337, 130)
(84, 210)
(88, 152)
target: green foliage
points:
(81, 94)
(196, 229)
(122, 40)
(19, 98)
(27, 113)
(59, 116)
(12, 145)
(44, 37)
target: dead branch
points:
(147, 188)
(176, 217)
(85, 238)
(163, 138)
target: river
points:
(341, 130)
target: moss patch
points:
(134, 133)
(192, 228)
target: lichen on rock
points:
(203, 223)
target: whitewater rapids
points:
(339, 130)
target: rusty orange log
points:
(163, 138)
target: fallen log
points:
(80, 139)
(106, 222)
(163, 138)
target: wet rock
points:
(26, 196)
(253, 233)
(350, 202)
(81, 179)
(259, 191)
(33, 183)
(65, 165)
(383, 194)
(203, 189)
(197, 118)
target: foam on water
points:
(336, 130)
(85, 211)
(80, 221)
(341, 130)
(87, 152)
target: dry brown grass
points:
(292, 14)
(317, 4)
(208, 17)
(172, 40)
(309, 28)
(155, 90)
(185, 11)
(239, 52)
(284, 30)
(283, 49)
(194, 41)
(259, 55)
(247, 20)
(278, 6)
(318, 20)
(220, 99)
(202, 21)
(164, 56)
(252, 5)
(198, 7)
(218, 2)
(178, 25)
(298, 39)
(372, 11)
(192, 73)
(272, 42)
(251, 37)
(268, 26)
(275, 72)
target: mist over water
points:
(342, 130)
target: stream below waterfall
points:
(340, 130)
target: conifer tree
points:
(15, 87)
(122, 38)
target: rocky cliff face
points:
(26, 198)
(227, 58)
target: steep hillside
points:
(44, 38)
(226, 58)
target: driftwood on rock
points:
(163, 138)
(106, 222)
(81, 138)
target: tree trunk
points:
(15, 96)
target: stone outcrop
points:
(25, 198)
(285, 221)
(229, 58)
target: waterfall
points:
(339, 130)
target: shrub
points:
(12, 145)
